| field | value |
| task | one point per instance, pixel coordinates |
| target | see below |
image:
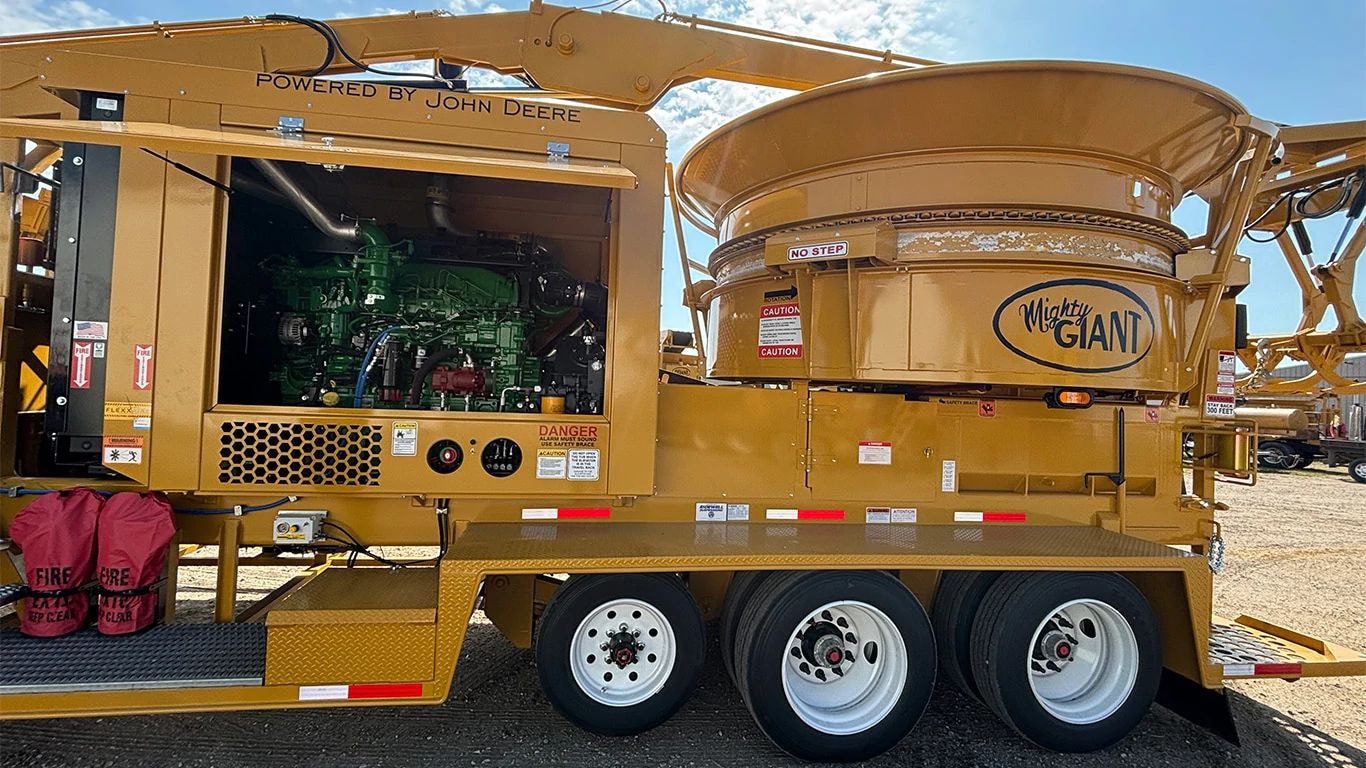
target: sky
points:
(1290, 63)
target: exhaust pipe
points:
(351, 232)
(439, 205)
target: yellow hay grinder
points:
(953, 346)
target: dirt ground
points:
(1297, 556)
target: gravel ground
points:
(1296, 556)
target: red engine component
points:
(135, 530)
(56, 533)
(461, 380)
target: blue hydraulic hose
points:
(365, 363)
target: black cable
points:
(316, 26)
(356, 548)
(334, 44)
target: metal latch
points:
(557, 151)
(290, 126)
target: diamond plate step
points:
(10, 593)
(166, 656)
(1248, 647)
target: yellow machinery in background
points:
(952, 358)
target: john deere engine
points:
(413, 320)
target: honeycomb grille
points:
(269, 453)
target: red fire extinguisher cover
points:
(135, 530)
(56, 533)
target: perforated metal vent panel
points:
(279, 453)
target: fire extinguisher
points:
(134, 533)
(56, 533)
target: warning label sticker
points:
(737, 512)
(874, 453)
(567, 435)
(551, 464)
(903, 514)
(889, 515)
(404, 441)
(948, 477)
(836, 250)
(1219, 406)
(122, 450)
(1228, 371)
(780, 329)
(583, 465)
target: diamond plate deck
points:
(166, 656)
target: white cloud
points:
(19, 17)
(914, 27)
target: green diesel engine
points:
(378, 329)
(323, 310)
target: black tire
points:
(1357, 470)
(1277, 455)
(572, 604)
(956, 601)
(766, 626)
(1003, 635)
(742, 586)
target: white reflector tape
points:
(781, 514)
(967, 517)
(540, 514)
(566, 513)
(323, 692)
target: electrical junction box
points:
(298, 527)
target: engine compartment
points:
(365, 288)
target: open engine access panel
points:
(373, 288)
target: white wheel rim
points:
(1083, 661)
(872, 668)
(638, 659)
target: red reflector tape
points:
(1278, 669)
(585, 512)
(385, 691)
(364, 691)
(574, 513)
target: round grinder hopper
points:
(1002, 223)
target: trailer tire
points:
(956, 602)
(742, 587)
(885, 657)
(1104, 657)
(1357, 470)
(623, 690)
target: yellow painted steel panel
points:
(749, 445)
(359, 596)
(400, 155)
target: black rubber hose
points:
(429, 365)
